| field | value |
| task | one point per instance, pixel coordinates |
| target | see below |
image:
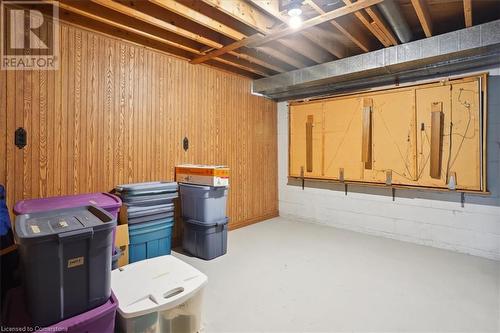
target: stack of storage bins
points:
(205, 221)
(149, 212)
(66, 259)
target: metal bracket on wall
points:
(345, 188)
(393, 194)
(302, 176)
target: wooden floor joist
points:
(258, 39)
(354, 36)
(126, 10)
(423, 16)
(182, 10)
(90, 15)
(318, 45)
(371, 25)
(264, 24)
(468, 13)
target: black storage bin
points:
(205, 240)
(66, 261)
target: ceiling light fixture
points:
(295, 16)
(295, 22)
(294, 11)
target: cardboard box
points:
(211, 175)
(122, 242)
(123, 215)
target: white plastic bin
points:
(162, 294)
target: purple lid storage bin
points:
(109, 202)
(100, 319)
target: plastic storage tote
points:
(134, 212)
(167, 296)
(148, 218)
(109, 202)
(150, 239)
(147, 188)
(100, 319)
(203, 203)
(66, 261)
(205, 240)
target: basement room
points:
(227, 166)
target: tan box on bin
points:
(122, 242)
(211, 175)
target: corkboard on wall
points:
(417, 135)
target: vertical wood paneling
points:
(117, 112)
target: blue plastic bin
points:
(150, 239)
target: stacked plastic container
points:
(57, 232)
(150, 217)
(65, 258)
(167, 296)
(100, 319)
(205, 221)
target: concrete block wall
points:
(425, 217)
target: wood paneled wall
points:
(117, 112)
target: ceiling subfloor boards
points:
(255, 38)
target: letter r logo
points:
(29, 34)
(20, 32)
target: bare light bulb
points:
(295, 12)
(295, 22)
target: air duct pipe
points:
(393, 15)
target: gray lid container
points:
(203, 203)
(205, 240)
(66, 261)
(147, 188)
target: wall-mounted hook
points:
(21, 138)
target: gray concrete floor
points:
(285, 276)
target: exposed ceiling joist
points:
(352, 34)
(382, 25)
(371, 25)
(71, 8)
(270, 8)
(90, 15)
(423, 16)
(361, 4)
(210, 23)
(197, 17)
(289, 59)
(126, 10)
(320, 37)
(307, 48)
(264, 24)
(468, 13)
(258, 39)
(245, 13)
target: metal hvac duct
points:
(468, 48)
(391, 12)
